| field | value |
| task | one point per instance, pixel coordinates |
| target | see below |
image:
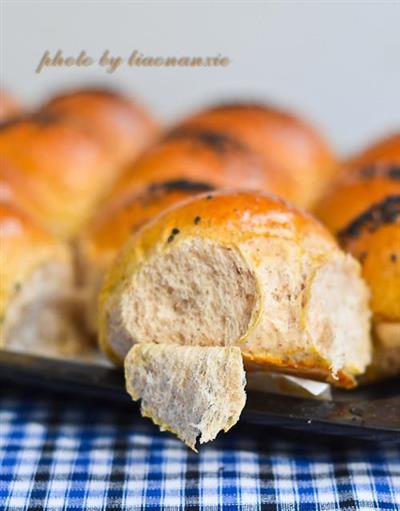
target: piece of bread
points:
(55, 171)
(192, 391)
(9, 106)
(385, 150)
(122, 125)
(364, 211)
(115, 223)
(206, 156)
(241, 269)
(283, 140)
(38, 307)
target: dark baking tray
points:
(370, 412)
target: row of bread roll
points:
(226, 269)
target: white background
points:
(337, 62)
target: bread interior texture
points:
(194, 392)
(198, 293)
(338, 315)
(42, 317)
(283, 306)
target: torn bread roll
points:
(38, 308)
(363, 210)
(56, 171)
(100, 242)
(122, 125)
(241, 269)
(283, 140)
(191, 391)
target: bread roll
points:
(364, 211)
(56, 171)
(386, 150)
(191, 391)
(240, 269)
(9, 106)
(355, 192)
(105, 235)
(123, 126)
(282, 139)
(206, 156)
(37, 302)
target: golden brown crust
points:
(357, 191)
(58, 171)
(385, 150)
(122, 126)
(109, 230)
(363, 209)
(281, 139)
(207, 156)
(374, 238)
(234, 216)
(316, 369)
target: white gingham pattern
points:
(59, 453)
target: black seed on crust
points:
(181, 185)
(197, 220)
(391, 171)
(385, 212)
(216, 141)
(393, 258)
(174, 232)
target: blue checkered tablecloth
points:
(58, 453)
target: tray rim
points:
(344, 418)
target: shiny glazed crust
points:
(374, 239)
(357, 191)
(363, 209)
(109, 230)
